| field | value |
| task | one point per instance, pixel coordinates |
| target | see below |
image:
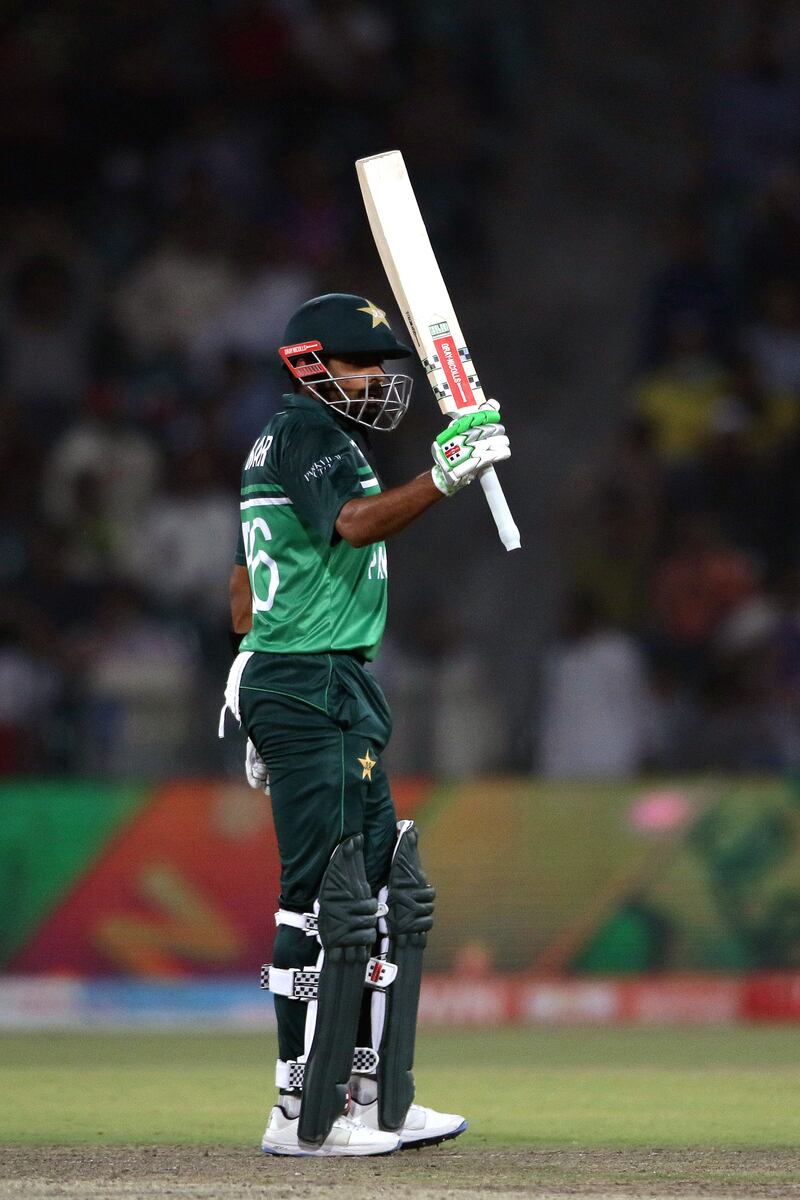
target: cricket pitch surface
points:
(226, 1173)
(602, 1113)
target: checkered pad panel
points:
(296, 1073)
(365, 1060)
(305, 985)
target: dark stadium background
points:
(614, 194)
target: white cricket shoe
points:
(348, 1136)
(422, 1126)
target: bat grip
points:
(509, 534)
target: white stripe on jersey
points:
(368, 483)
(265, 500)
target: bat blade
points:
(424, 302)
(416, 280)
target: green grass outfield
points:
(621, 1087)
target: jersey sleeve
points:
(319, 470)
(239, 557)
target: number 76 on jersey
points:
(420, 291)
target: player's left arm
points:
(241, 621)
(241, 600)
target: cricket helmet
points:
(344, 325)
(354, 329)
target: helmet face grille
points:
(382, 404)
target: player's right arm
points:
(322, 472)
(369, 519)
(468, 445)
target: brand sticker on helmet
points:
(305, 369)
(300, 348)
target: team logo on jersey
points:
(368, 763)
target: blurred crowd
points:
(181, 179)
(680, 646)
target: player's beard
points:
(357, 400)
(371, 408)
(379, 403)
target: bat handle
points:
(509, 534)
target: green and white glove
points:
(467, 446)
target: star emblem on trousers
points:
(377, 314)
(367, 762)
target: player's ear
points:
(297, 384)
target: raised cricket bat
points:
(420, 292)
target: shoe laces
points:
(350, 1123)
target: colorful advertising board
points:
(535, 880)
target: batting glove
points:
(256, 769)
(468, 445)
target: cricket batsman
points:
(308, 603)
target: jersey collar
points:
(297, 400)
(305, 403)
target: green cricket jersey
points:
(312, 591)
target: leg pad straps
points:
(289, 1075)
(302, 983)
(309, 921)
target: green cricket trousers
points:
(320, 722)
